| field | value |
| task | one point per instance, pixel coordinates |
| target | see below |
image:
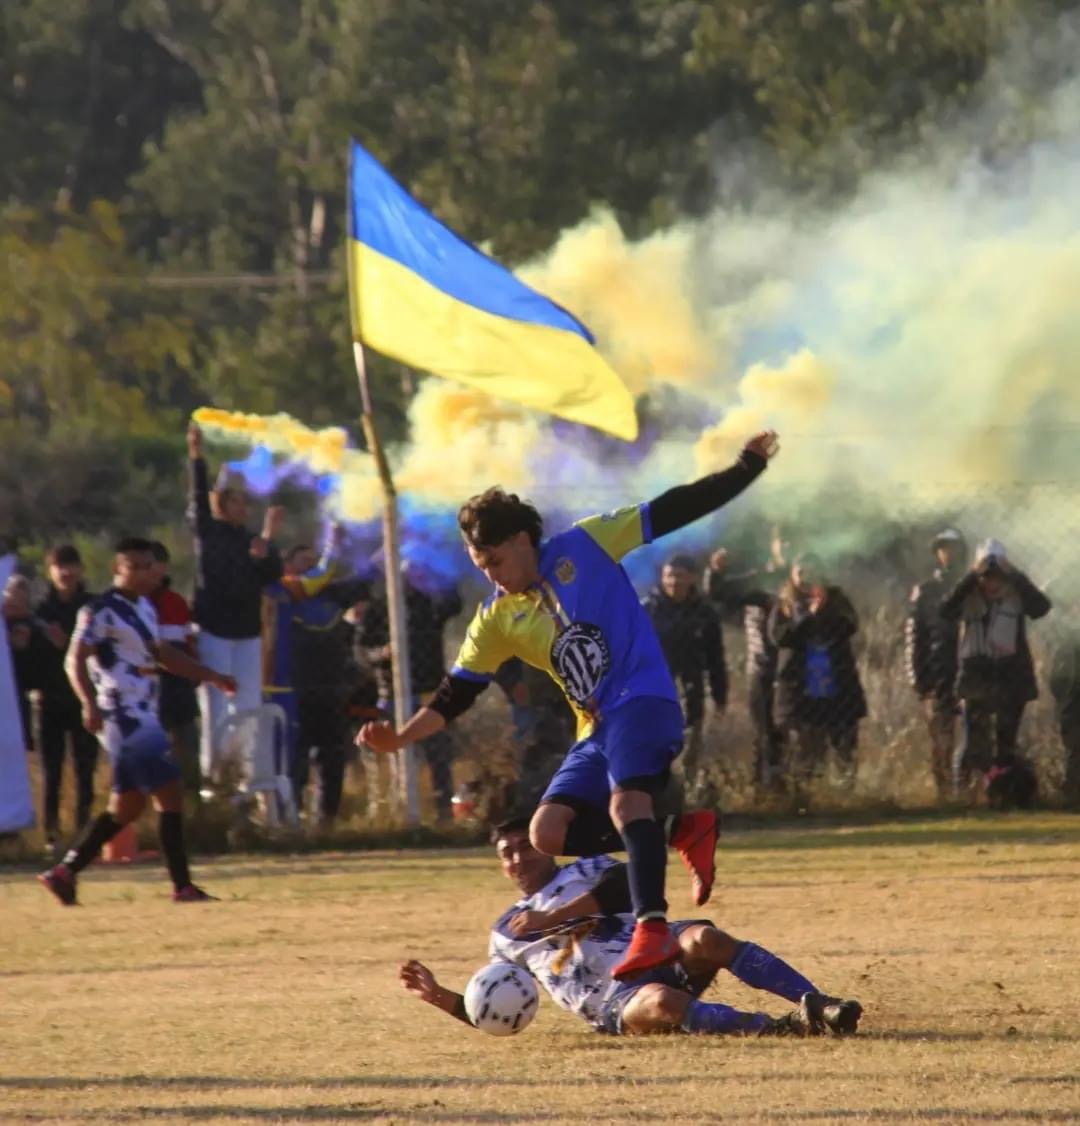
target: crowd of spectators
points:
(297, 630)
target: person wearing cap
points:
(930, 651)
(991, 605)
(819, 695)
(689, 631)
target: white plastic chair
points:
(257, 738)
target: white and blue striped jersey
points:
(574, 964)
(123, 668)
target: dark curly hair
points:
(495, 515)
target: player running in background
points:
(112, 663)
(569, 928)
(566, 606)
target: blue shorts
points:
(636, 740)
(142, 760)
(620, 993)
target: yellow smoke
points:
(462, 441)
(637, 299)
(322, 450)
(791, 396)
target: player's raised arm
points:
(684, 504)
(420, 982)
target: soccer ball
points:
(501, 999)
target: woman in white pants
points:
(232, 567)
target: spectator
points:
(754, 593)
(428, 607)
(689, 632)
(1065, 687)
(232, 567)
(29, 646)
(278, 608)
(819, 696)
(991, 605)
(178, 707)
(321, 673)
(930, 648)
(59, 713)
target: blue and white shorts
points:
(141, 759)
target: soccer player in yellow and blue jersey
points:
(566, 606)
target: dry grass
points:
(280, 1004)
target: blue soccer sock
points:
(757, 967)
(720, 1020)
(647, 853)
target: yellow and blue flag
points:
(421, 294)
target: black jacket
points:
(55, 687)
(427, 617)
(690, 636)
(322, 639)
(989, 679)
(802, 639)
(930, 640)
(228, 582)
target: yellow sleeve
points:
(618, 532)
(485, 646)
(310, 583)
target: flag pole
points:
(405, 772)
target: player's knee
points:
(547, 830)
(708, 945)
(659, 1009)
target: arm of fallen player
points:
(610, 895)
(420, 982)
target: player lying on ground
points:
(569, 929)
(112, 663)
(566, 606)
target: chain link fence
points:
(817, 708)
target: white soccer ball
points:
(501, 999)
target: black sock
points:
(591, 833)
(91, 841)
(171, 834)
(647, 849)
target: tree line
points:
(173, 182)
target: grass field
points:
(280, 1004)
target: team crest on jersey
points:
(581, 658)
(565, 571)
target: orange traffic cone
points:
(123, 848)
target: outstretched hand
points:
(194, 441)
(766, 444)
(380, 736)
(418, 980)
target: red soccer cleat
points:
(652, 945)
(193, 894)
(694, 839)
(60, 880)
